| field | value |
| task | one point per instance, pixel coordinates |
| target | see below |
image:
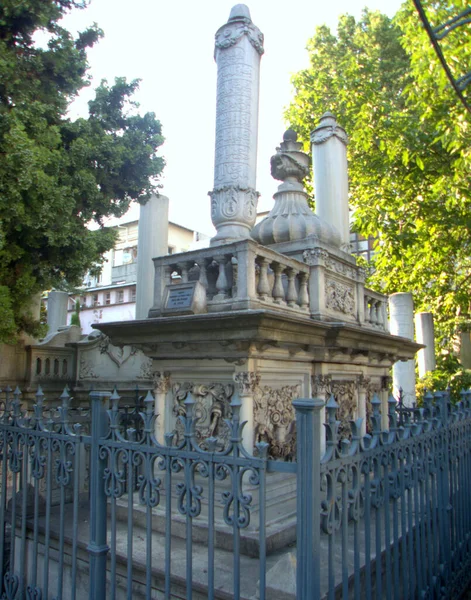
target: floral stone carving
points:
(274, 419)
(212, 406)
(339, 297)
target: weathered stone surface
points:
(401, 318)
(238, 47)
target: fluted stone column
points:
(401, 315)
(57, 310)
(152, 242)
(363, 388)
(424, 334)
(161, 387)
(329, 158)
(239, 46)
(246, 382)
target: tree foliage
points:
(409, 151)
(57, 175)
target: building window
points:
(133, 294)
(83, 301)
(107, 298)
(95, 299)
(120, 296)
(170, 250)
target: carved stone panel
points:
(339, 297)
(274, 419)
(212, 406)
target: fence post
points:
(97, 548)
(308, 432)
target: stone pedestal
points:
(424, 334)
(239, 46)
(265, 360)
(152, 242)
(401, 323)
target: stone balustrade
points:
(245, 275)
(238, 276)
(50, 364)
(376, 310)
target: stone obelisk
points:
(239, 47)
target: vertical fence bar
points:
(97, 548)
(308, 428)
(4, 488)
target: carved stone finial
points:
(290, 162)
(240, 11)
(291, 219)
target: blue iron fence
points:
(105, 511)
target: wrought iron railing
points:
(380, 516)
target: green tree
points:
(409, 151)
(58, 175)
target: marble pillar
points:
(401, 322)
(162, 385)
(246, 382)
(57, 303)
(152, 242)
(424, 334)
(239, 46)
(329, 158)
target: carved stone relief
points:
(313, 255)
(247, 382)
(212, 406)
(86, 370)
(118, 355)
(345, 394)
(274, 419)
(339, 297)
(161, 381)
(230, 34)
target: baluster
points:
(278, 289)
(367, 309)
(378, 306)
(303, 299)
(263, 288)
(184, 267)
(203, 278)
(292, 294)
(222, 284)
(168, 270)
(372, 317)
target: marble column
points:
(363, 389)
(401, 322)
(246, 382)
(424, 334)
(329, 158)
(161, 387)
(57, 303)
(239, 46)
(152, 242)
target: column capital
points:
(246, 382)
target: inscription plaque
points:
(185, 298)
(180, 298)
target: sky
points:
(169, 45)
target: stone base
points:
(280, 516)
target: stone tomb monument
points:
(269, 313)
